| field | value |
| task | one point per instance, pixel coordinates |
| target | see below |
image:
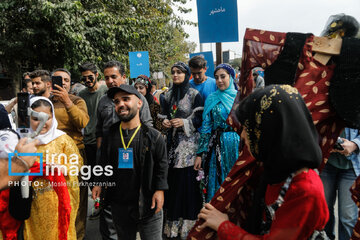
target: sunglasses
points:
(90, 77)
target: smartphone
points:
(337, 145)
(56, 80)
(23, 120)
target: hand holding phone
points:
(338, 143)
(56, 80)
(23, 120)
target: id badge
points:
(126, 159)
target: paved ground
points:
(92, 226)
(93, 232)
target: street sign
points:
(210, 62)
(139, 64)
(218, 21)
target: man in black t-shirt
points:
(138, 156)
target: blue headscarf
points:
(226, 97)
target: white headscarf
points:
(53, 132)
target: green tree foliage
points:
(64, 33)
(236, 63)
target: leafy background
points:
(49, 34)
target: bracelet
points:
(16, 156)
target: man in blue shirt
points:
(204, 84)
(338, 175)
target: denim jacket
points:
(354, 136)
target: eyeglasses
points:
(90, 77)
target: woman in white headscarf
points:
(50, 196)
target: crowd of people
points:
(101, 122)
(166, 165)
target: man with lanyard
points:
(204, 84)
(114, 74)
(138, 155)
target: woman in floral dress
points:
(183, 107)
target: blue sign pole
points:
(210, 62)
(139, 64)
(218, 21)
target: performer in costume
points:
(290, 55)
(279, 132)
(218, 144)
(43, 222)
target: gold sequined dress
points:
(43, 221)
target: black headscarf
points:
(145, 80)
(282, 136)
(281, 131)
(179, 90)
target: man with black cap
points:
(138, 155)
(114, 74)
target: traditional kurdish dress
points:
(43, 222)
(283, 140)
(218, 141)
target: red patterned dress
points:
(312, 79)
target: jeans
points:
(150, 228)
(337, 183)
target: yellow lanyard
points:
(131, 139)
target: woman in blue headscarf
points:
(218, 144)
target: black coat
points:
(149, 173)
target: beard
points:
(126, 118)
(90, 84)
(40, 92)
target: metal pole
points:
(218, 53)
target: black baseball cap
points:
(124, 88)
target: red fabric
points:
(304, 210)
(261, 48)
(64, 207)
(156, 100)
(9, 226)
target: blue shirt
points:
(354, 136)
(205, 88)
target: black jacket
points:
(149, 173)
